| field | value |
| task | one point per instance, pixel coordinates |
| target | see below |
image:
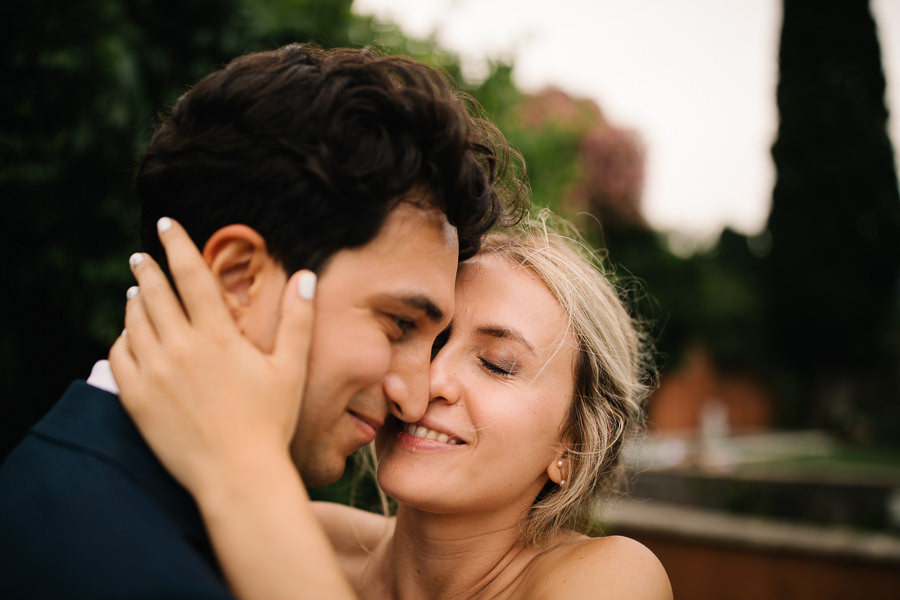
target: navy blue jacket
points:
(86, 511)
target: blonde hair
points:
(611, 370)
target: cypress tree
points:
(835, 221)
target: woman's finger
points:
(142, 340)
(295, 327)
(124, 365)
(160, 303)
(196, 285)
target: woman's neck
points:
(452, 556)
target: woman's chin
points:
(410, 487)
(419, 472)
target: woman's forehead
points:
(493, 290)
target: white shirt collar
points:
(102, 377)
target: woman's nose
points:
(443, 382)
(406, 387)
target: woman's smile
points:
(417, 438)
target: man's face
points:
(379, 308)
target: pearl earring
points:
(559, 464)
(562, 482)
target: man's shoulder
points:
(85, 460)
(83, 512)
(80, 446)
(44, 470)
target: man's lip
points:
(371, 421)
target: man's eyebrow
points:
(498, 331)
(423, 303)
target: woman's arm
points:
(353, 532)
(268, 539)
(219, 414)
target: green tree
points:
(83, 81)
(835, 220)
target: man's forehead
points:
(410, 216)
(416, 242)
(413, 259)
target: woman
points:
(533, 390)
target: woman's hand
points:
(209, 403)
(219, 414)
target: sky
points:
(695, 78)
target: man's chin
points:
(322, 472)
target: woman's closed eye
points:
(497, 367)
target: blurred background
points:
(733, 159)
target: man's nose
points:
(406, 387)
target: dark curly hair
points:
(313, 148)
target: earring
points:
(559, 464)
(562, 482)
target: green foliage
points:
(551, 158)
(835, 223)
(711, 299)
(550, 151)
(84, 80)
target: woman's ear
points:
(239, 259)
(558, 470)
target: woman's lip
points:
(429, 424)
(417, 444)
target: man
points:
(365, 169)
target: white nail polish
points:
(164, 224)
(132, 292)
(136, 259)
(306, 285)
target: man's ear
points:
(247, 274)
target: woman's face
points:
(500, 388)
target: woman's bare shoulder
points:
(352, 530)
(609, 567)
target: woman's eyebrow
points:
(501, 332)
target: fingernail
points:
(164, 224)
(307, 285)
(132, 292)
(135, 259)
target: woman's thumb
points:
(295, 327)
